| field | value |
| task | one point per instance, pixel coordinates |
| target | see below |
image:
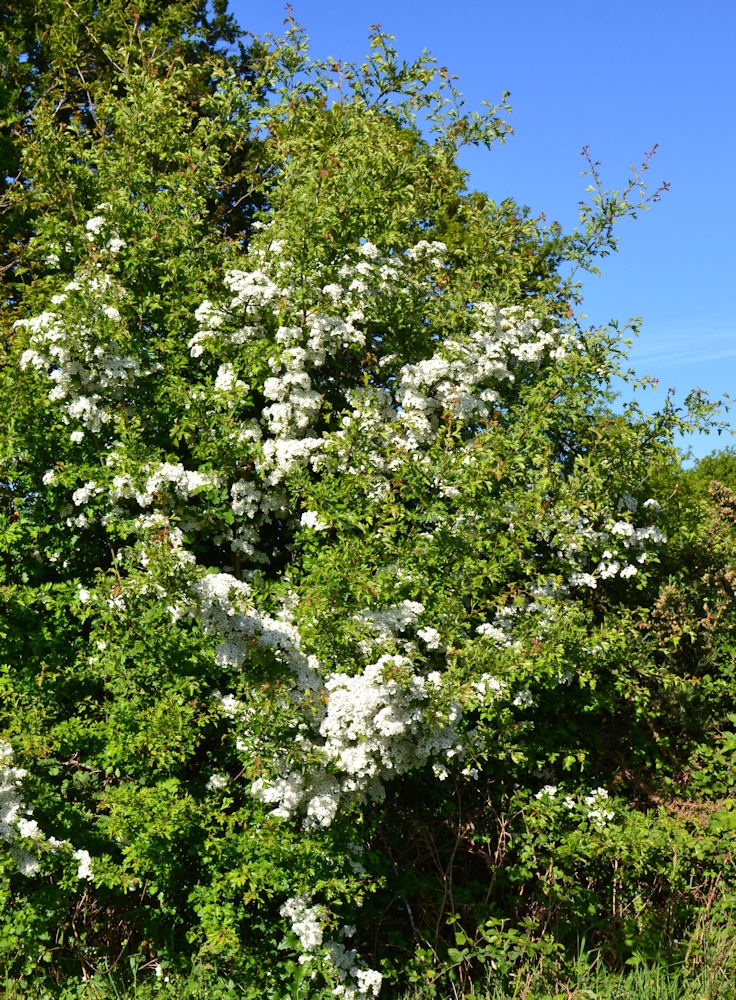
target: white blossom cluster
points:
(489, 688)
(593, 805)
(617, 549)
(311, 519)
(354, 980)
(307, 921)
(224, 606)
(464, 374)
(331, 323)
(596, 810)
(289, 368)
(89, 369)
(286, 424)
(465, 378)
(16, 823)
(376, 722)
(544, 604)
(156, 479)
(500, 630)
(14, 813)
(99, 227)
(376, 725)
(365, 728)
(388, 622)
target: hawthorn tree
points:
(333, 585)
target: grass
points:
(585, 984)
(709, 974)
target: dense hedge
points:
(351, 629)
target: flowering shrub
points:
(323, 552)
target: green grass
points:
(639, 984)
(588, 979)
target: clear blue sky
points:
(618, 78)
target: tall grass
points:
(588, 984)
(708, 973)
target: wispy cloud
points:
(692, 348)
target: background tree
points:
(63, 57)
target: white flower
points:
(430, 636)
(225, 378)
(28, 828)
(83, 595)
(369, 250)
(489, 687)
(322, 809)
(583, 580)
(623, 528)
(217, 782)
(28, 864)
(307, 921)
(94, 225)
(449, 492)
(369, 981)
(494, 632)
(228, 703)
(84, 493)
(84, 868)
(310, 519)
(595, 795)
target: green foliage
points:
(344, 618)
(718, 465)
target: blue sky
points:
(619, 79)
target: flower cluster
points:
(84, 359)
(289, 338)
(307, 922)
(185, 482)
(592, 807)
(617, 549)
(354, 980)
(14, 823)
(464, 375)
(17, 824)
(223, 605)
(376, 725)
